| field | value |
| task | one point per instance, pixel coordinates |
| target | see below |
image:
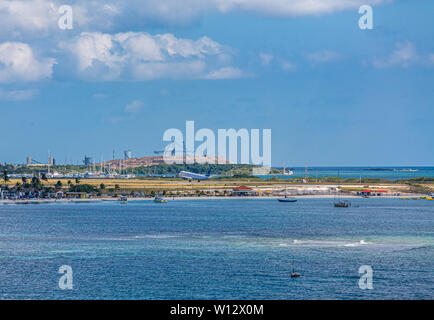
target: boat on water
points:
(339, 203)
(286, 198)
(295, 274)
(160, 199)
(287, 173)
(342, 204)
(123, 200)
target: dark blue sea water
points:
(218, 249)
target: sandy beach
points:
(132, 199)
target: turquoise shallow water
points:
(390, 173)
(218, 249)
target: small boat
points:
(123, 200)
(342, 204)
(286, 198)
(160, 199)
(295, 274)
(287, 173)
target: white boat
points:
(287, 173)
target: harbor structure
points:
(87, 161)
(243, 191)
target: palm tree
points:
(36, 183)
(5, 175)
(18, 187)
(58, 185)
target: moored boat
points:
(286, 198)
(160, 199)
(342, 204)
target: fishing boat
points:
(295, 274)
(160, 199)
(341, 203)
(286, 198)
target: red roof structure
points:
(241, 188)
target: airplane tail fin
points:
(209, 172)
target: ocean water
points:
(391, 173)
(218, 249)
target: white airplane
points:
(195, 176)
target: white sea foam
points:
(357, 244)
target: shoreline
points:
(100, 200)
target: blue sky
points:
(331, 93)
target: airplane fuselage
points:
(193, 176)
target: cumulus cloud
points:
(17, 95)
(292, 7)
(18, 63)
(34, 16)
(141, 56)
(175, 11)
(40, 17)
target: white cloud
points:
(34, 17)
(134, 107)
(289, 8)
(287, 65)
(323, 56)
(141, 56)
(17, 95)
(18, 63)
(266, 58)
(226, 73)
(39, 17)
(404, 55)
